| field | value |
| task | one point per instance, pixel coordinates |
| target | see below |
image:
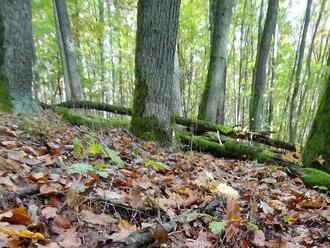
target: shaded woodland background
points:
(104, 38)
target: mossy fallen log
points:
(91, 121)
(196, 126)
(231, 149)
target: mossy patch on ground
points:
(316, 178)
(92, 121)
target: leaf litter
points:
(69, 186)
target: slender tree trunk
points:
(272, 83)
(293, 104)
(307, 77)
(64, 65)
(100, 39)
(16, 56)
(156, 37)
(214, 91)
(73, 72)
(259, 82)
(176, 88)
(242, 57)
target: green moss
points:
(317, 153)
(5, 103)
(316, 178)
(92, 121)
(149, 128)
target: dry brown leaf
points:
(49, 212)
(30, 150)
(50, 188)
(70, 239)
(18, 216)
(73, 198)
(135, 199)
(9, 144)
(62, 222)
(96, 219)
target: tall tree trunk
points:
(176, 102)
(67, 85)
(100, 39)
(214, 91)
(316, 151)
(157, 26)
(70, 57)
(293, 104)
(307, 76)
(16, 56)
(241, 57)
(272, 83)
(259, 82)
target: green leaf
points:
(217, 227)
(288, 219)
(100, 166)
(158, 166)
(114, 157)
(80, 168)
(102, 173)
(95, 149)
(78, 147)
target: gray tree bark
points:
(214, 90)
(157, 26)
(16, 56)
(69, 51)
(259, 82)
(293, 104)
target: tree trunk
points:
(176, 102)
(307, 76)
(259, 82)
(317, 152)
(214, 91)
(67, 85)
(292, 133)
(156, 37)
(16, 56)
(70, 56)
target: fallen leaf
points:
(62, 222)
(266, 208)
(96, 219)
(70, 239)
(135, 199)
(50, 188)
(8, 144)
(18, 216)
(258, 238)
(49, 212)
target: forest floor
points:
(69, 186)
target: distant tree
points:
(316, 150)
(213, 98)
(260, 75)
(157, 25)
(69, 61)
(293, 105)
(16, 56)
